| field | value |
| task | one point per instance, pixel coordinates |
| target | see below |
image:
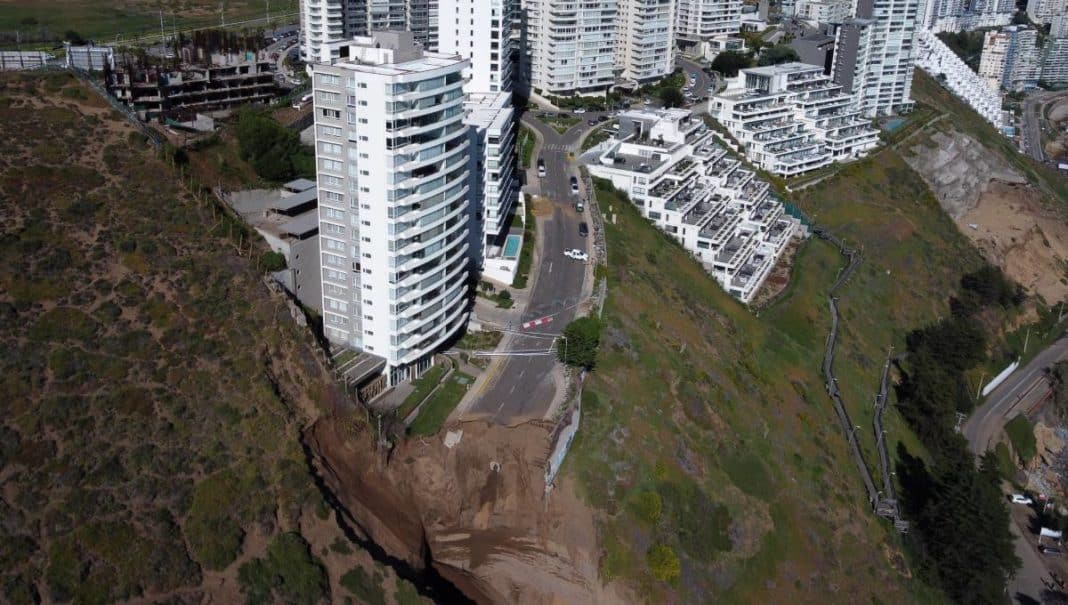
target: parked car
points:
(576, 254)
(574, 185)
(580, 110)
(602, 118)
(591, 122)
(584, 230)
(1051, 551)
(541, 167)
(1021, 499)
(579, 206)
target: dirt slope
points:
(475, 512)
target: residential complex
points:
(323, 22)
(484, 32)
(966, 15)
(669, 165)
(938, 60)
(792, 118)
(1055, 62)
(823, 11)
(1045, 11)
(1012, 59)
(571, 45)
(645, 47)
(702, 23)
(393, 161)
(875, 55)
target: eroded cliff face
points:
(475, 512)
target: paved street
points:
(521, 388)
(700, 88)
(982, 429)
(1033, 122)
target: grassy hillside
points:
(927, 91)
(102, 20)
(153, 389)
(707, 433)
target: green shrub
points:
(364, 587)
(1022, 436)
(648, 506)
(274, 151)
(664, 563)
(289, 574)
(579, 346)
(406, 594)
(273, 261)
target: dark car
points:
(574, 185)
(602, 118)
(584, 230)
(591, 122)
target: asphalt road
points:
(1031, 127)
(700, 87)
(521, 388)
(981, 430)
(984, 425)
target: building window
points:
(330, 79)
(331, 113)
(330, 131)
(328, 164)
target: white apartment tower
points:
(645, 39)
(876, 55)
(992, 62)
(571, 45)
(483, 32)
(326, 21)
(1044, 11)
(392, 156)
(702, 20)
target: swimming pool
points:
(511, 246)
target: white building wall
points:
(392, 161)
(992, 62)
(938, 60)
(481, 31)
(571, 45)
(645, 39)
(702, 20)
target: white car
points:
(1021, 499)
(576, 254)
(580, 110)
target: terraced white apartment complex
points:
(670, 166)
(791, 118)
(394, 199)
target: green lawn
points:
(441, 404)
(526, 252)
(562, 122)
(598, 136)
(47, 20)
(423, 385)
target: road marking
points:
(550, 266)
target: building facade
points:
(1055, 62)
(571, 45)
(645, 37)
(1044, 11)
(824, 11)
(791, 118)
(992, 61)
(876, 55)
(393, 164)
(702, 20)
(483, 32)
(1023, 59)
(669, 165)
(938, 60)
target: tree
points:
(728, 63)
(274, 151)
(74, 37)
(664, 563)
(580, 342)
(780, 53)
(671, 97)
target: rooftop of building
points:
(793, 67)
(390, 53)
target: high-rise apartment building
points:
(1044, 11)
(824, 11)
(326, 21)
(483, 32)
(966, 15)
(571, 45)
(876, 55)
(645, 39)
(702, 20)
(1055, 61)
(393, 164)
(420, 17)
(1023, 59)
(992, 61)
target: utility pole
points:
(1027, 337)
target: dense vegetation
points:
(581, 338)
(273, 150)
(728, 63)
(962, 539)
(966, 45)
(153, 389)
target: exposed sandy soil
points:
(993, 205)
(477, 511)
(1016, 232)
